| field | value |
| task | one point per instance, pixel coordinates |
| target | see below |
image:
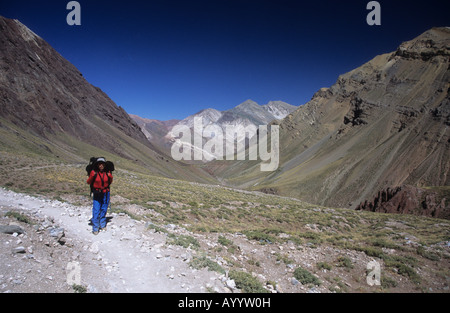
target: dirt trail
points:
(125, 258)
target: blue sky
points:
(171, 58)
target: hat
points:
(99, 160)
(102, 160)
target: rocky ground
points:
(46, 245)
(55, 249)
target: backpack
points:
(92, 166)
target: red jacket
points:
(102, 181)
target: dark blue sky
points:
(170, 58)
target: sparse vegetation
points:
(204, 262)
(344, 262)
(184, 241)
(246, 282)
(247, 232)
(265, 219)
(19, 216)
(79, 288)
(324, 266)
(305, 277)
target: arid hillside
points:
(48, 110)
(381, 125)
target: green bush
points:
(184, 241)
(247, 283)
(324, 266)
(260, 236)
(19, 216)
(306, 277)
(344, 261)
(202, 262)
(224, 241)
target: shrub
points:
(306, 277)
(429, 255)
(224, 241)
(79, 288)
(19, 216)
(260, 236)
(247, 283)
(324, 266)
(202, 262)
(387, 282)
(344, 261)
(184, 241)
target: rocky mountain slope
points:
(257, 114)
(155, 131)
(432, 202)
(239, 118)
(247, 113)
(381, 125)
(178, 236)
(43, 92)
(48, 109)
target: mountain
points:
(257, 114)
(160, 134)
(46, 94)
(48, 109)
(155, 131)
(248, 113)
(382, 125)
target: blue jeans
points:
(99, 209)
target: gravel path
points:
(125, 258)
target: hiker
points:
(100, 179)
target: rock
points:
(128, 236)
(94, 248)
(19, 250)
(184, 257)
(56, 94)
(279, 289)
(58, 233)
(409, 200)
(231, 284)
(11, 229)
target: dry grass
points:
(265, 218)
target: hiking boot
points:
(95, 232)
(103, 229)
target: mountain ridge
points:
(30, 67)
(246, 113)
(380, 125)
(49, 109)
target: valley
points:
(227, 226)
(228, 231)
